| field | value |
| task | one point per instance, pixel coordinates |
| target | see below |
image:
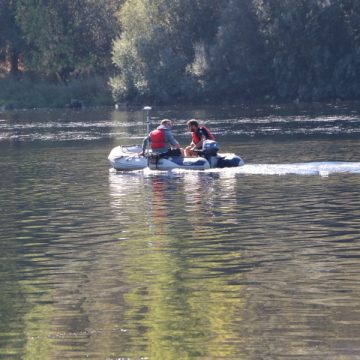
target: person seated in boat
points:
(162, 141)
(199, 135)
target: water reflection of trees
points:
(187, 265)
(179, 296)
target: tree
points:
(157, 48)
(68, 38)
(11, 41)
(237, 63)
(314, 46)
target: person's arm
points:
(145, 144)
(169, 137)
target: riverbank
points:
(27, 93)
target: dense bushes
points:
(238, 49)
(169, 51)
(58, 39)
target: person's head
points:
(166, 123)
(192, 125)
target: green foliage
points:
(314, 46)
(11, 41)
(169, 51)
(238, 65)
(58, 39)
(238, 49)
(156, 48)
(68, 38)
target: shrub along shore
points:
(25, 93)
(178, 52)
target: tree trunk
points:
(14, 62)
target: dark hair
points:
(192, 122)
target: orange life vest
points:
(196, 135)
(157, 139)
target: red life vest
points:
(208, 134)
(157, 139)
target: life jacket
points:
(157, 139)
(196, 135)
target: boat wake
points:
(321, 168)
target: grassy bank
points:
(25, 93)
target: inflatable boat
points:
(128, 159)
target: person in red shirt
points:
(162, 141)
(199, 134)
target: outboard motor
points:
(209, 151)
(210, 148)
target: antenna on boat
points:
(147, 109)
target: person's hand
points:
(141, 153)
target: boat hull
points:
(178, 162)
(128, 159)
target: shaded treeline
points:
(166, 51)
(58, 39)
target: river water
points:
(256, 262)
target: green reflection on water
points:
(153, 286)
(179, 305)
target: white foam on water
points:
(323, 168)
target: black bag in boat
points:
(171, 152)
(154, 157)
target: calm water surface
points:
(259, 262)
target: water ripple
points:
(220, 264)
(110, 124)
